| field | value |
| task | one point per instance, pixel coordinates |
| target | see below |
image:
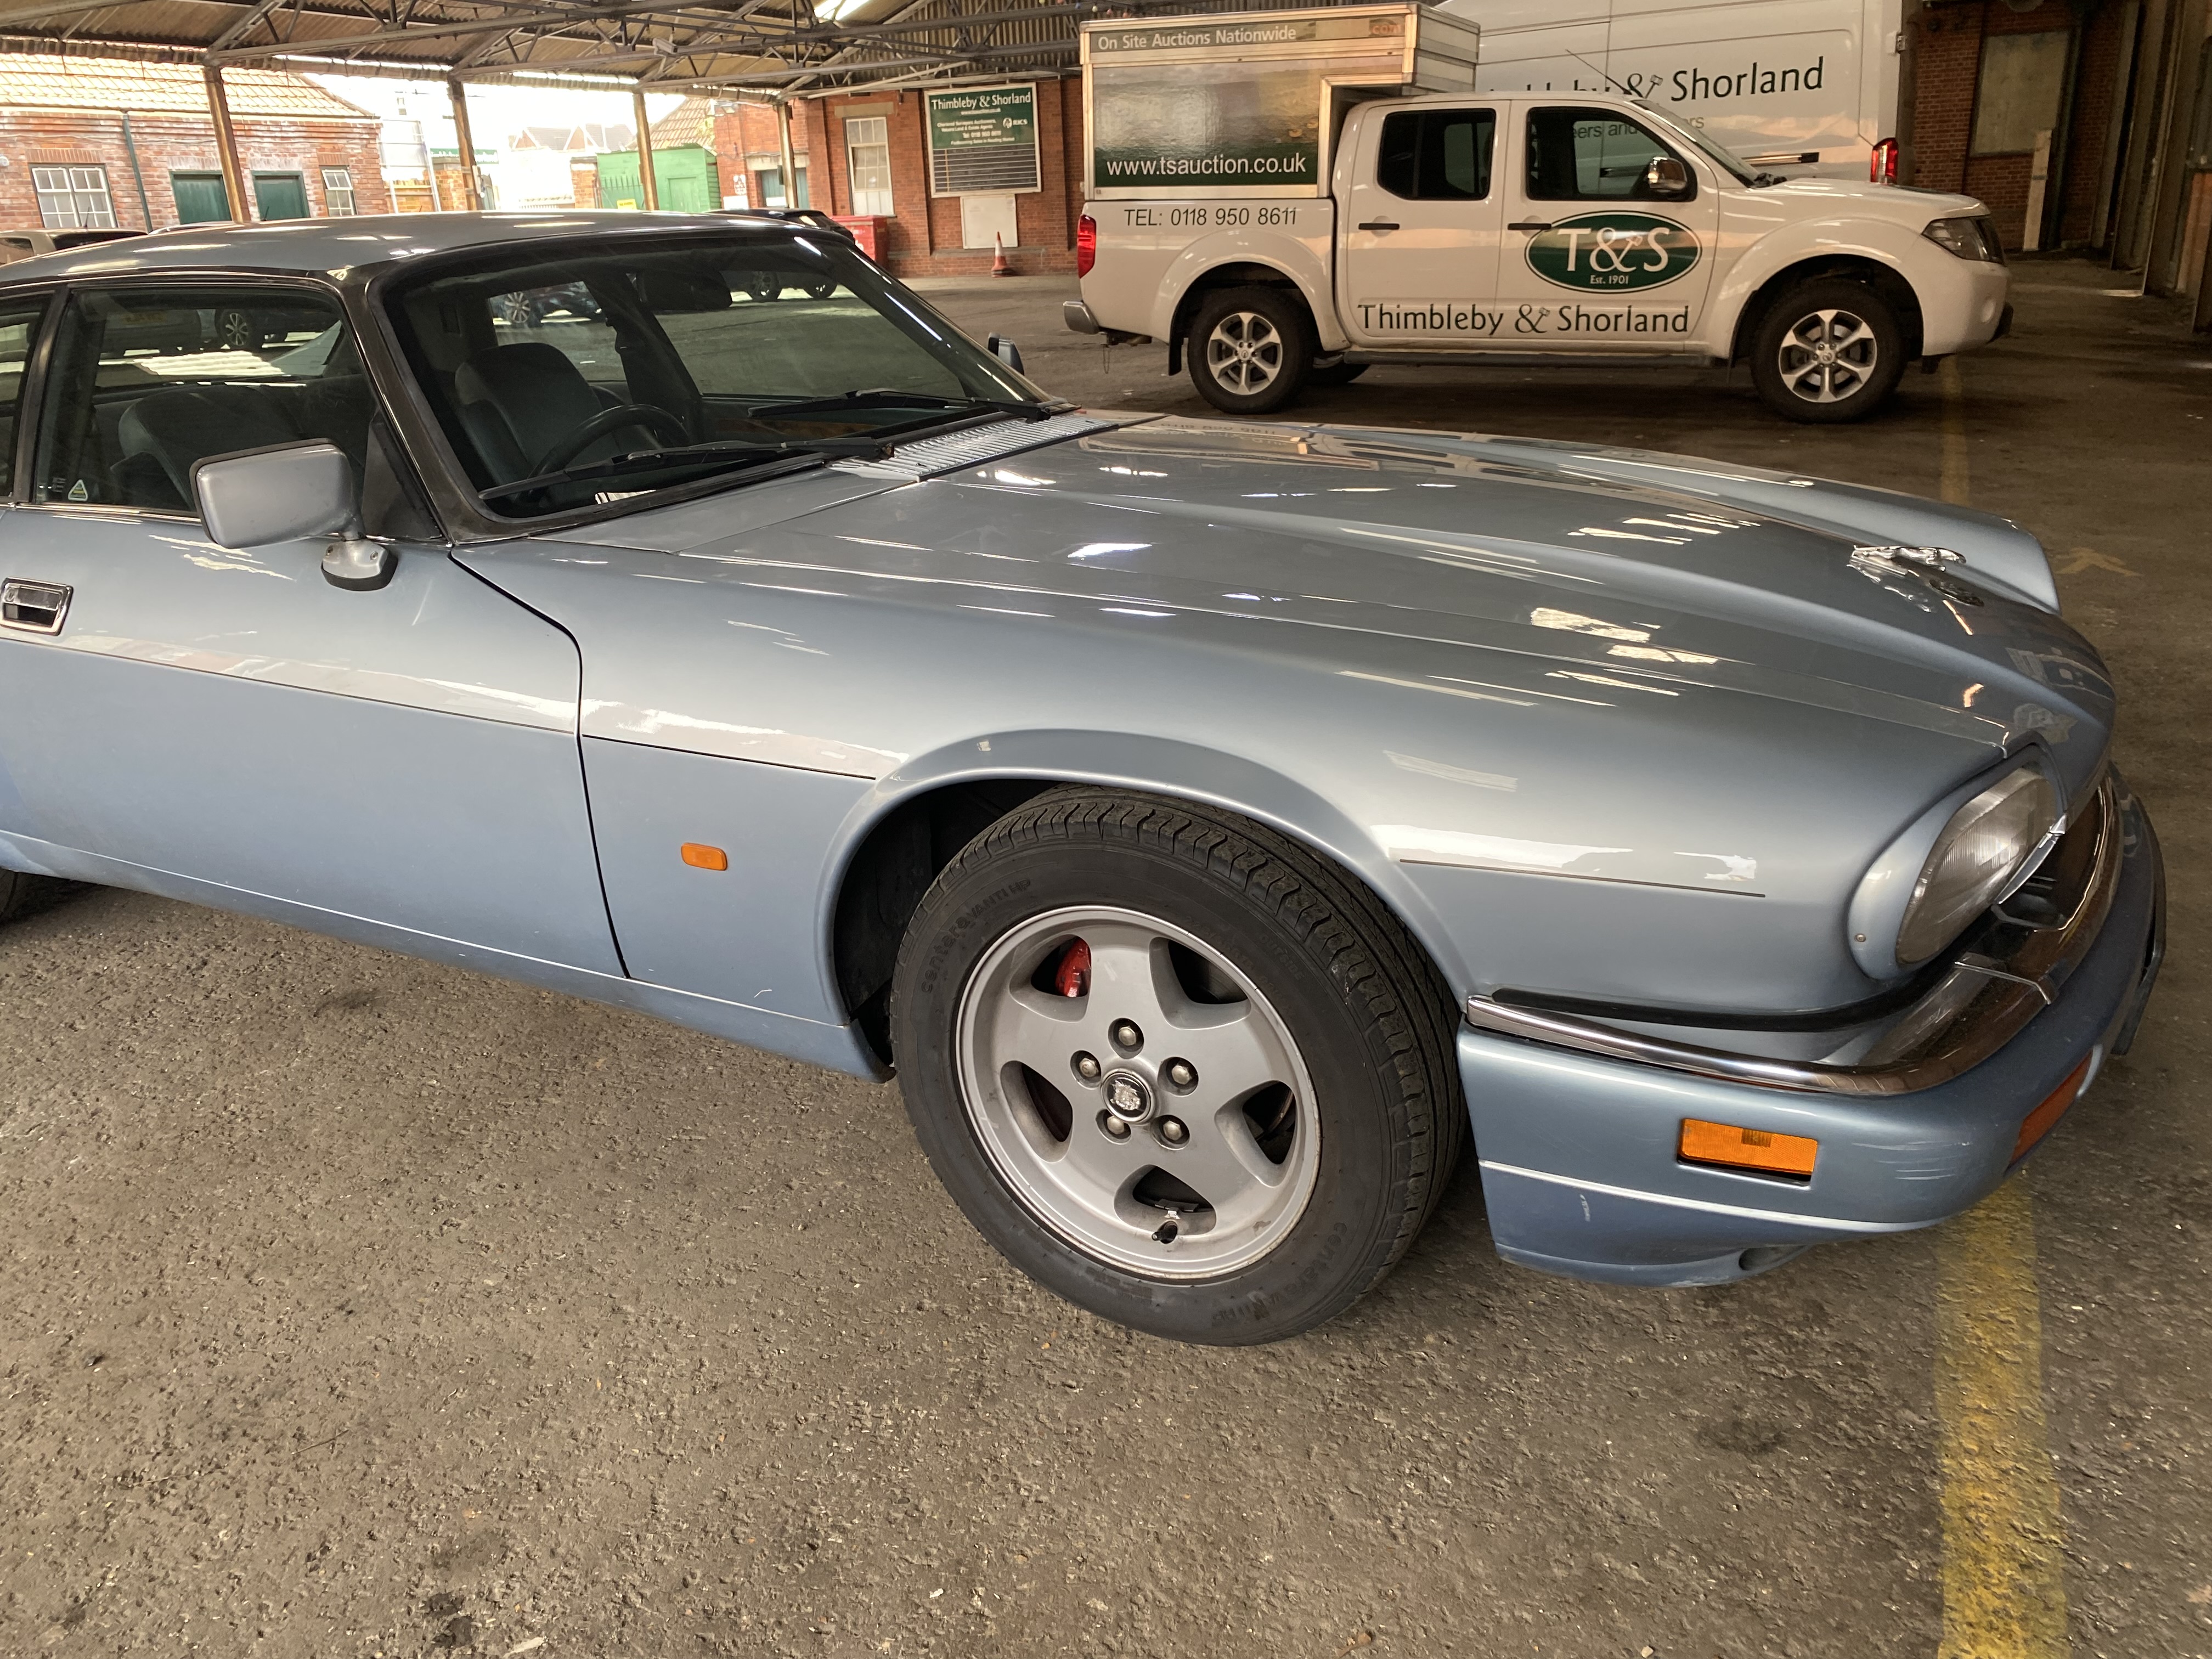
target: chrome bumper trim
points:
(1969, 1014)
(1743, 1212)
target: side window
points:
(19, 327)
(1589, 155)
(148, 381)
(1437, 154)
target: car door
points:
(1421, 229)
(1596, 259)
(226, 724)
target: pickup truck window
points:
(1437, 154)
(1589, 155)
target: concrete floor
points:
(358, 1307)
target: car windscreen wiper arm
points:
(809, 451)
(886, 398)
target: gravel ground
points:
(355, 1306)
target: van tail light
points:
(1881, 166)
(1086, 245)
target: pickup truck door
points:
(1420, 229)
(1594, 259)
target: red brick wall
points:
(182, 144)
(750, 129)
(923, 238)
(1948, 44)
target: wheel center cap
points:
(1826, 355)
(1128, 1096)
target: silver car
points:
(1215, 825)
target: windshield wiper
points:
(886, 398)
(810, 452)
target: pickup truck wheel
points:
(1828, 350)
(1250, 350)
(1175, 1066)
(1337, 373)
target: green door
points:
(280, 196)
(200, 198)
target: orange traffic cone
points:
(998, 265)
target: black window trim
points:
(30, 403)
(1496, 125)
(1529, 152)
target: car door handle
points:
(1528, 224)
(34, 607)
(1379, 224)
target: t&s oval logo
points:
(1613, 252)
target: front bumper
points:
(1578, 1147)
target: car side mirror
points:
(1006, 351)
(1668, 175)
(286, 493)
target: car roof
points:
(337, 245)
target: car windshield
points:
(1720, 154)
(573, 376)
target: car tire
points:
(1288, 1162)
(1863, 341)
(1337, 373)
(1250, 350)
(20, 894)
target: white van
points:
(1803, 87)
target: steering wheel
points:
(573, 443)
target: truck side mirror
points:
(1667, 176)
(1006, 351)
(286, 493)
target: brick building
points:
(1993, 81)
(94, 142)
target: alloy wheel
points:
(1828, 355)
(1244, 353)
(1137, 1093)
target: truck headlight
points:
(1970, 237)
(1989, 846)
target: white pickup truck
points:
(1464, 228)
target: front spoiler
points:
(1577, 1149)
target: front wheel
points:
(1250, 350)
(1178, 1069)
(1828, 351)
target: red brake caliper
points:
(1071, 978)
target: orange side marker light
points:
(2040, 1121)
(1739, 1148)
(700, 856)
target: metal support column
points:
(648, 187)
(790, 159)
(226, 143)
(471, 194)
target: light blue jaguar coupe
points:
(1215, 825)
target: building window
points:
(337, 192)
(73, 198)
(868, 157)
(768, 187)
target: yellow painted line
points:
(2004, 1537)
(2004, 1586)
(1954, 431)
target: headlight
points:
(1972, 237)
(1988, 846)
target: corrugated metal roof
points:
(37, 81)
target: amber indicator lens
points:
(1738, 1148)
(700, 856)
(2040, 1121)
